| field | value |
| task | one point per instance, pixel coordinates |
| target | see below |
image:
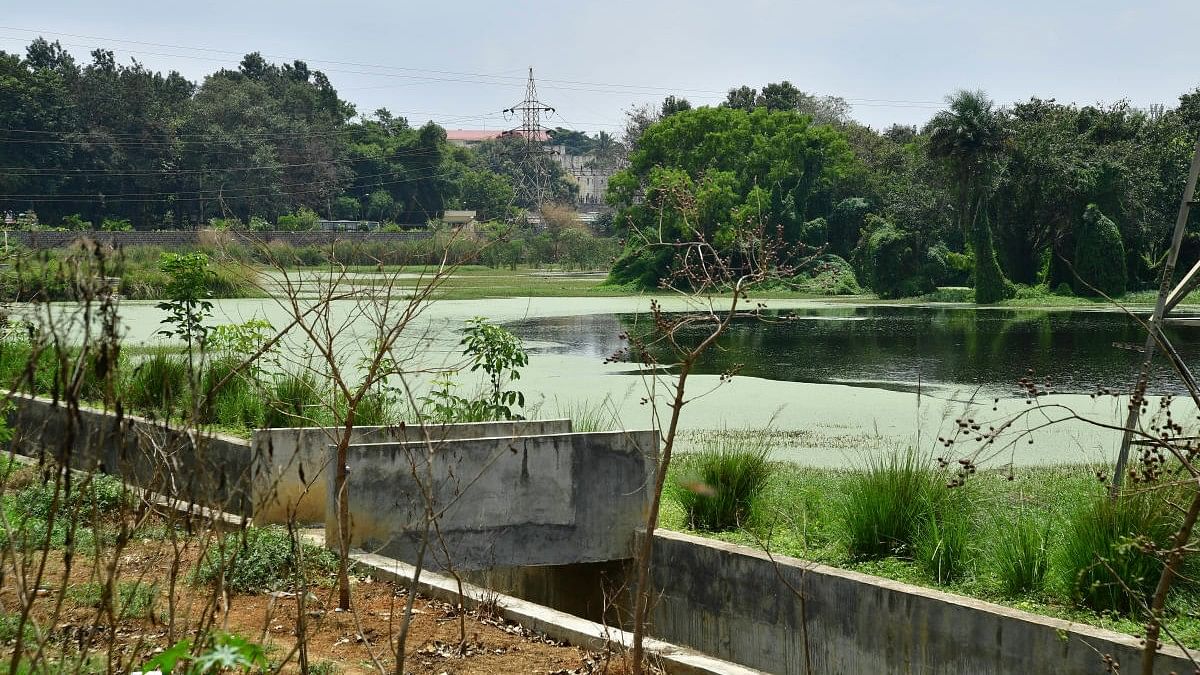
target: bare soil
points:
(357, 641)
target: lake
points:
(831, 380)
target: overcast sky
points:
(461, 63)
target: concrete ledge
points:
(556, 624)
(732, 601)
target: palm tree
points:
(969, 137)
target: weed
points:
(262, 559)
(940, 547)
(159, 384)
(1102, 564)
(237, 403)
(135, 599)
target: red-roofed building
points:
(469, 137)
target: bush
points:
(303, 220)
(885, 505)
(1101, 567)
(1019, 557)
(264, 559)
(1099, 256)
(296, 402)
(159, 384)
(828, 275)
(720, 483)
(116, 225)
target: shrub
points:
(719, 484)
(303, 220)
(116, 225)
(1101, 566)
(885, 505)
(295, 402)
(1099, 256)
(375, 409)
(941, 543)
(263, 559)
(1018, 556)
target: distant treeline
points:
(112, 146)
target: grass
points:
(717, 486)
(295, 402)
(158, 384)
(888, 503)
(1012, 551)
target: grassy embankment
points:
(1033, 542)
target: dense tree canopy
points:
(82, 145)
(773, 166)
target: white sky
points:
(893, 60)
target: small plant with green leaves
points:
(295, 402)
(187, 303)
(500, 355)
(223, 653)
(134, 599)
(264, 559)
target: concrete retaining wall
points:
(502, 502)
(732, 602)
(290, 463)
(213, 470)
(176, 238)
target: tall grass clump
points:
(886, 504)
(295, 402)
(718, 484)
(1102, 566)
(159, 384)
(940, 546)
(232, 398)
(1018, 555)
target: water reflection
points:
(897, 347)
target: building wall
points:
(176, 238)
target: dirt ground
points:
(357, 641)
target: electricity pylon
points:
(531, 154)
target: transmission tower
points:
(532, 155)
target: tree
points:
(777, 166)
(1099, 256)
(968, 137)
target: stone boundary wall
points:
(734, 603)
(179, 238)
(557, 499)
(291, 462)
